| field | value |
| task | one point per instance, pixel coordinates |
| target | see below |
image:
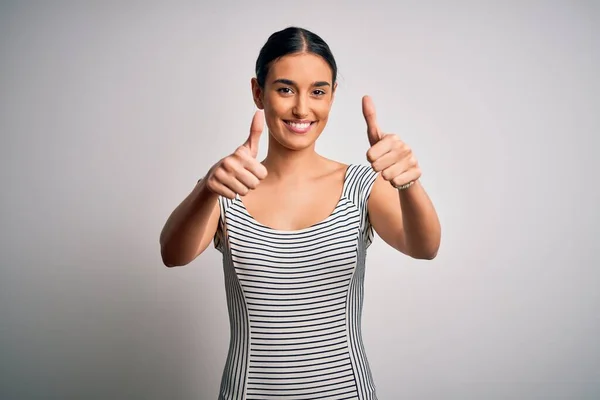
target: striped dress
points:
(295, 301)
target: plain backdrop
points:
(110, 112)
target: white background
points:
(110, 112)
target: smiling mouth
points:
(299, 126)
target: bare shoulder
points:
(333, 169)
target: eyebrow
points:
(292, 83)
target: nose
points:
(300, 109)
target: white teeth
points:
(299, 126)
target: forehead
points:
(301, 67)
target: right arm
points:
(190, 227)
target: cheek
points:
(322, 110)
(274, 112)
(277, 106)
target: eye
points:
(319, 92)
(285, 90)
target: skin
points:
(294, 187)
(404, 219)
(297, 87)
(302, 187)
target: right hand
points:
(239, 172)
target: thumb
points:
(256, 129)
(368, 109)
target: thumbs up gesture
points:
(239, 172)
(388, 154)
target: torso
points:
(295, 297)
(291, 207)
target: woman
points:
(294, 228)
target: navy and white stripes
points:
(295, 301)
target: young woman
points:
(294, 229)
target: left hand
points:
(388, 154)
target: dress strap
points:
(357, 188)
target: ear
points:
(333, 92)
(257, 93)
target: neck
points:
(291, 165)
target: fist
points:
(388, 154)
(239, 172)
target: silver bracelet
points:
(403, 187)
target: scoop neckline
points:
(302, 230)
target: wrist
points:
(403, 187)
(202, 191)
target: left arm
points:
(405, 219)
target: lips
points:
(299, 126)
